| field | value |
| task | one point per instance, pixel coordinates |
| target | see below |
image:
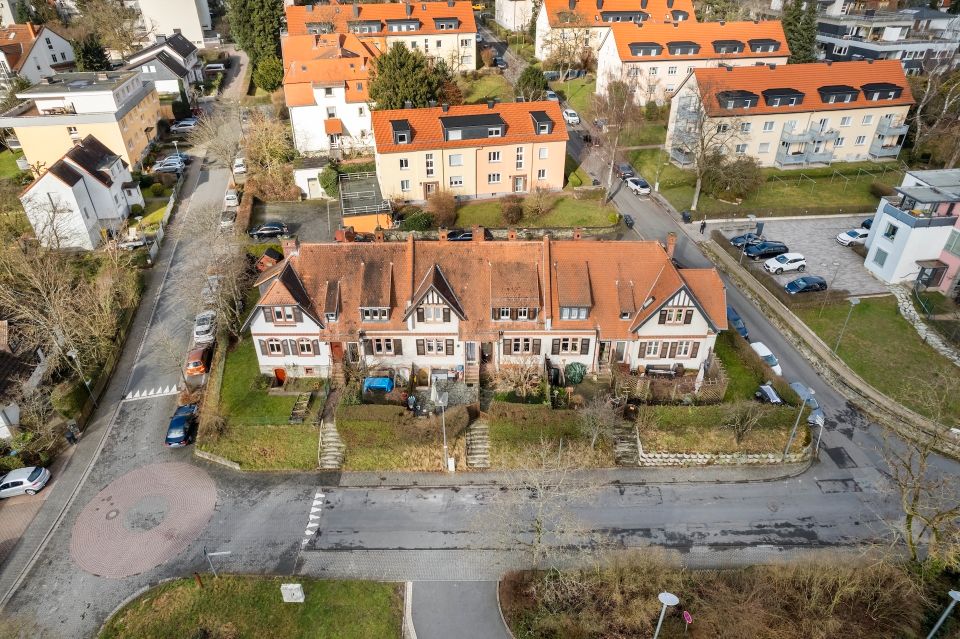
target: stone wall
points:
(715, 459)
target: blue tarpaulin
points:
(384, 384)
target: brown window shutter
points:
(532, 313)
(449, 347)
(421, 349)
(297, 314)
(316, 346)
(368, 347)
(419, 314)
(673, 349)
(584, 346)
(694, 350)
(268, 315)
(555, 347)
(446, 314)
(263, 345)
(398, 347)
(663, 317)
(536, 347)
(643, 350)
(663, 348)
(513, 313)
(507, 350)
(688, 316)
(494, 313)
(285, 345)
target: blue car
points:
(182, 426)
(765, 250)
(746, 238)
(733, 318)
(806, 284)
(867, 223)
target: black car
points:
(867, 223)
(624, 170)
(736, 322)
(628, 221)
(500, 62)
(746, 238)
(765, 250)
(806, 284)
(459, 235)
(182, 427)
(269, 229)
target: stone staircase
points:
(299, 410)
(337, 377)
(625, 449)
(331, 448)
(472, 374)
(478, 445)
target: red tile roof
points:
(340, 15)
(702, 33)
(16, 41)
(590, 10)
(806, 78)
(339, 60)
(427, 129)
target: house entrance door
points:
(486, 352)
(519, 184)
(603, 355)
(430, 188)
(471, 352)
(336, 351)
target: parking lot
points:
(308, 220)
(815, 239)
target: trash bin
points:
(686, 217)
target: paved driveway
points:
(311, 221)
(815, 239)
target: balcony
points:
(790, 159)
(793, 137)
(824, 157)
(880, 150)
(681, 157)
(919, 218)
(890, 127)
(828, 135)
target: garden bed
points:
(565, 211)
(267, 446)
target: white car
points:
(853, 236)
(239, 166)
(231, 198)
(785, 262)
(23, 481)
(638, 185)
(205, 327)
(768, 358)
(184, 126)
(552, 96)
(571, 116)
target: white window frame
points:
(382, 345)
(405, 185)
(456, 181)
(570, 345)
(455, 159)
(860, 141)
(274, 347)
(504, 312)
(543, 153)
(493, 156)
(493, 178)
(541, 174)
(768, 126)
(846, 120)
(404, 164)
(305, 347)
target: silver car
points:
(204, 327)
(23, 481)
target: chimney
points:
(511, 234)
(432, 103)
(578, 233)
(869, 60)
(599, 5)
(442, 235)
(669, 4)
(491, 103)
(478, 233)
(671, 243)
(675, 24)
(445, 106)
(756, 20)
(407, 104)
(723, 22)
(643, 4)
(450, 3)
(771, 66)
(548, 283)
(409, 9)
(378, 235)
(423, 7)
(291, 247)
(828, 62)
(356, 10)
(572, 4)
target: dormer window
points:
(764, 45)
(433, 313)
(375, 314)
(495, 132)
(683, 48)
(330, 317)
(573, 312)
(625, 315)
(727, 46)
(645, 49)
(402, 138)
(401, 131)
(505, 313)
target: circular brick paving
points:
(143, 519)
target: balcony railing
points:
(823, 157)
(890, 127)
(790, 159)
(918, 218)
(681, 157)
(825, 135)
(880, 150)
(794, 136)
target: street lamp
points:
(72, 354)
(954, 598)
(853, 302)
(441, 399)
(796, 424)
(836, 272)
(668, 600)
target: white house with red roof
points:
(32, 52)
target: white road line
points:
(313, 519)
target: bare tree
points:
(741, 418)
(599, 418)
(934, 117)
(565, 45)
(118, 25)
(538, 203)
(521, 376)
(171, 354)
(219, 133)
(619, 110)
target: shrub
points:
(146, 181)
(487, 56)
(157, 189)
(136, 210)
(330, 180)
(511, 208)
(613, 218)
(652, 111)
(419, 221)
(879, 189)
(574, 372)
(442, 207)
(268, 74)
(181, 109)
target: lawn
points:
(484, 88)
(268, 447)
(567, 211)
(517, 430)
(243, 397)
(8, 164)
(152, 214)
(697, 429)
(884, 349)
(743, 380)
(646, 133)
(252, 607)
(573, 174)
(577, 93)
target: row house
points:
(565, 26)
(793, 115)
(326, 81)
(655, 58)
(439, 310)
(32, 52)
(472, 151)
(440, 30)
(82, 199)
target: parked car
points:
(182, 427)
(24, 481)
(184, 126)
(746, 238)
(765, 249)
(853, 236)
(231, 198)
(623, 170)
(768, 358)
(205, 327)
(239, 166)
(806, 284)
(638, 185)
(867, 223)
(459, 235)
(183, 157)
(500, 62)
(552, 96)
(785, 262)
(227, 219)
(169, 165)
(816, 415)
(198, 361)
(268, 229)
(628, 221)
(766, 394)
(215, 67)
(736, 322)
(571, 116)
(600, 123)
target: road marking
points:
(160, 391)
(313, 519)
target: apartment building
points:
(439, 310)
(515, 15)
(326, 87)
(568, 25)
(161, 19)
(32, 52)
(82, 198)
(915, 235)
(118, 108)
(472, 151)
(170, 64)
(655, 58)
(440, 30)
(793, 115)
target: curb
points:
(409, 632)
(502, 618)
(135, 595)
(216, 459)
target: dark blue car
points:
(806, 284)
(763, 250)
(182, 426)
(733, 318)
(867, 223)
(746, 238)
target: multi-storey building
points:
(161, 19)
(515, 15)
(914, 236)
(655, 58)
(172, 64)
(326, 88)
(82, 198)
(792, 115)
(440, 30)
(32, 52)
(438, 310)
(472, 151)
(118, 108)
(568, 26)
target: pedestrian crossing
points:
(159, 391)
(313, 522)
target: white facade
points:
(38, 57)
(515, 15)
(309, 128)
(167, 17)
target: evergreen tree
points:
(401, 75)
(531, 84)
(21, 12)
(90, 53)
(268, 74)
(791, 19)
(255, 26)
(807, 35)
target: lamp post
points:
(796, 424)
(836, 266)
(954, 598)
(853, 302)
(668, 600)
(72, 354)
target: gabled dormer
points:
(434, 300)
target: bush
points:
(181, 110)
(419, 221)
(269, 73)
(487, 56)
(442, 207)
(157, 189)
(574, 372)
(511, 209)
(613, 218)
(146, 181)
(879, 189)
(652, 111)
(136, 210)
(330, 180)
